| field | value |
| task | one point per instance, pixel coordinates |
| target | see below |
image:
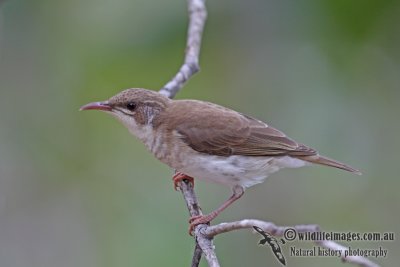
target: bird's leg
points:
(178, 177)
(237, 192)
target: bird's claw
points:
(179, 177)
(199, 219)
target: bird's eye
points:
(131, 106)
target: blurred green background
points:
(77, 190)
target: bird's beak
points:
(104, 106)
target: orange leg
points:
(238, 191)
(179, 177)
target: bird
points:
(209, 142)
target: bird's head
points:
(135, 108)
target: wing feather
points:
(220, 131)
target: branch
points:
(196, 255)
(204, 234)
(275, 230)
(203, 243)
(197, 18)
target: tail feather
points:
(318, 159)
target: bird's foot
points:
(201, 219)
(179, 177)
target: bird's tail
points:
(318, 159)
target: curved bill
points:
(97, 106)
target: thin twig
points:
(197, 18)
(194, 209)
(196, 255)
(275, 230)
(203, 242)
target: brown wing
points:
(215, 130)
(264, 140)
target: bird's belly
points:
(245, 171)
(234, 170)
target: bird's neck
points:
(144, 133)
(149, 136)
